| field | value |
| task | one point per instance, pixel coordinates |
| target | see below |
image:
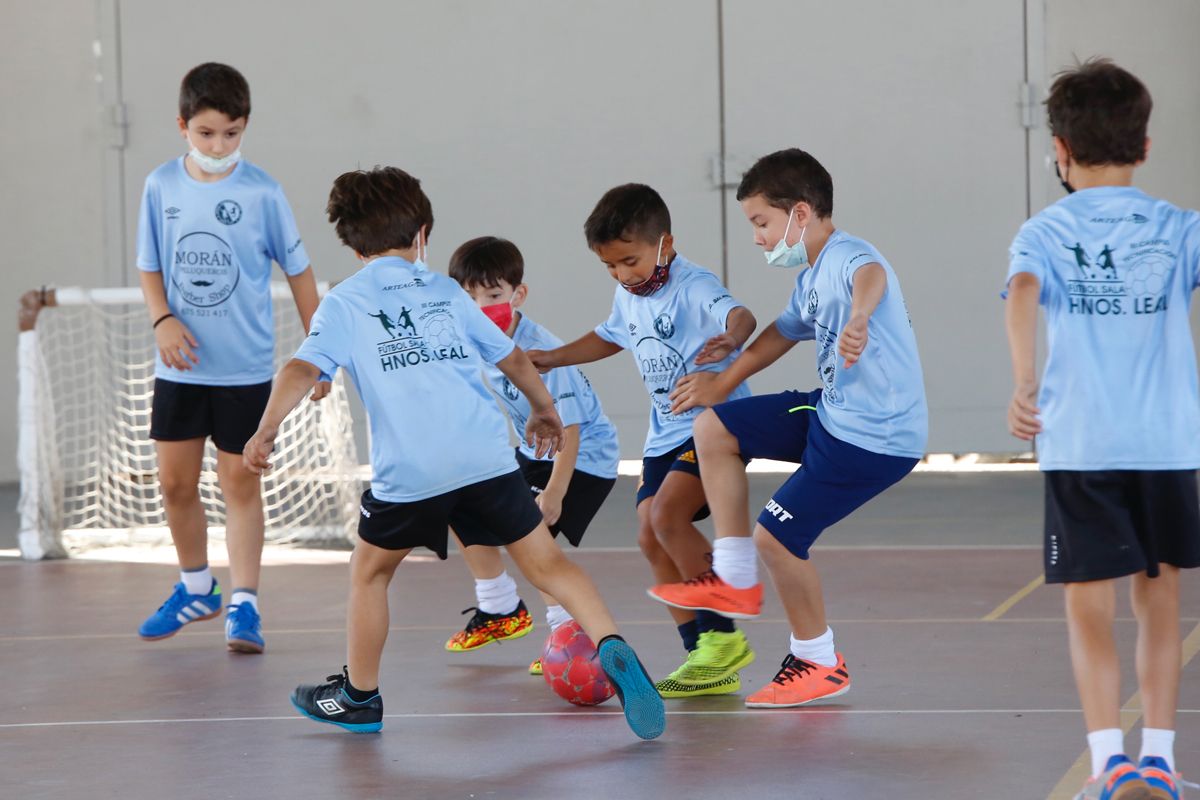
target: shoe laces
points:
(339, 681)
(176, 600)
(793, 668)
(479, 619)
(243, 613)
(706, 578)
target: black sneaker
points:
(329, 702)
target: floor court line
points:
(747, 712)
(1131, 712)
(1017, 596)
(68, 637)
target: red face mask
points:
(499, 313)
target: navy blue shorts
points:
(834, 478)
(656, 468)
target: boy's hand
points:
(541, 360)
(257, 452)
(544, 431)
(716, 349)
(551, 505)
(320, 391)
(175, 343)
(1023, 413)
(697, 389)
(853, 340)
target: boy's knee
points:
(238, 484)
(709, 432)
(648, 542)
(178, 490)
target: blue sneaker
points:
(1164, 783)
(180, 609)
(1120, 780)
(329, 702)
(243, 629)
(643, 705)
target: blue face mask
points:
(784, 255)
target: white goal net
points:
(88, 469)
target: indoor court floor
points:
(962, 684)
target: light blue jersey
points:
(576, 402)
(1117, 269)
(214, 244)
(665, 332)
(879, 403)
(413, 342)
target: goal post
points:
(87, 465)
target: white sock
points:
(1159, 742)
(497, 595)
(557, 616)
(197, 581)
(244, 596)
(819, 650)
(1105, 744)
(735, 560)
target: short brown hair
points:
(1100, 112)
(214, 86)
(486, 261)
(787, 177)
(632, 211)
(377, 210)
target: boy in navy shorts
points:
(570, 487)
(1116, 419)
(858, 434)
(674, 317)
(211, 223)
(413, 342)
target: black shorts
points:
(656, 468)
(585, 494)
(494, 512)
(229, 414)
(1111, 523)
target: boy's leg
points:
(662, 566)
(798, 585)
(500, 613)
(371, 570)
(179, 466)
(1159, 660)
(672, 510)
(242, 490)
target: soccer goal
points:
(87, 464)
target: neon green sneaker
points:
(671, 689)
(716, 657)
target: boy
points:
(670, 314)
(1120, 476)
(862, 431)
(211, 223)
(427, 405)
(570, 487)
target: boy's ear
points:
(1145, 152)
(668, 243)
(182, 126)
(1062, 154)
(804, 214)
(519, 296)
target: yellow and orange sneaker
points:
(536, 667)
(799, 682)
(483, 629)
(707, 592)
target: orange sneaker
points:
(483, 629)
(707, 592)
(799, 682)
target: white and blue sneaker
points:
(180, 609)
(243, 629)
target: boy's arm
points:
(584, 350)
(738, 326)
(870, 282)
(175, 342)
(304, 293)
(551, 498)
(544, 429)
(710, 388)
(294, 380)
(1020, 319)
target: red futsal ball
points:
(571, 666)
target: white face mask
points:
(784, 255)
(214, 166)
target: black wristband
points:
(160, 319)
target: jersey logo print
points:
(405, 346)
(228, 212)
(204, 270)
(664, 326)
(172, 213)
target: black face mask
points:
(1068, 187)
